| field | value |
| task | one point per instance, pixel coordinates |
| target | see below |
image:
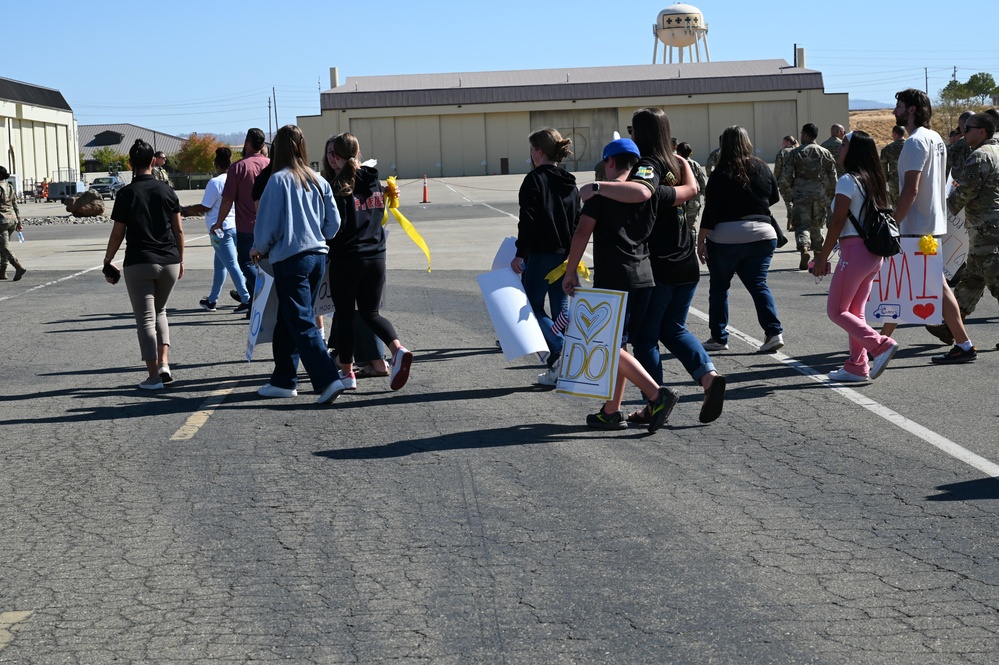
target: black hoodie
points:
(549, 211)
(361, 235)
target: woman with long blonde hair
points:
(296, 217)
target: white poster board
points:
(263, 314)
(909, 288)
(323, 302)
(516, 326)
(592, 343)
(954, 245)
(506, 253)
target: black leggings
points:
(358, 282)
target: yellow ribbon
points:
(559, 272)
(928, 245)
(391, 195)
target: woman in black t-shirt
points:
(737, 237)
(146, 216)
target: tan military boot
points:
(803, 264)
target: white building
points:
(37, 134)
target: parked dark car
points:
(107, 186)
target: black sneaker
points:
(602, 420)
(234, 294)
(956, 355)
(661, 407)
(207, 304)
(242, 307)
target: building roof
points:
(35, 95)
(534, 85)
(121, 137)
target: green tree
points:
(197, 154)
(110, 159)
(981, 87)
(955, 92)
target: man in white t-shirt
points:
(922, 205)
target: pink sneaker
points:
(349, 381)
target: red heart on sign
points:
(924, 311)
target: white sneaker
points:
(401, 361)
(349, 381)
(267, 390)
(152, 383)
(548, 377)
(842, 376)
(331, 392)
(711, 345)
(772, 344)
(879, 363)
(165, 375)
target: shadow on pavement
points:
(971, 490)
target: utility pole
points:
(926, 85)
(270, 134)
(273, 92)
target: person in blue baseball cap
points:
(621, 262)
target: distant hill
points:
(868, 105)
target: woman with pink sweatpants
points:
(857, 267)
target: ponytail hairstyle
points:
(223, 157)
(346, 147)
(290, 153)
(140, 155)
(863, 162)
(651, 133)
(551, 144)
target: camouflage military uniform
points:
(833, 144)
(160, 174)
(8, 226)
(693, 207)
(957, 156)
(889, 162)
(779, 161)
(809, 176)
(978, 193)
(712, 162)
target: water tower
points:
(681, 27)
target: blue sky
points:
(210, 66)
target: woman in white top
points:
(857, 267)
(222, 234)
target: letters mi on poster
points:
(909, 288)
(592, 341)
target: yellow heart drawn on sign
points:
(591, 320)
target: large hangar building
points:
(476, 123)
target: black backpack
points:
(879, 230)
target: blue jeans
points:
(296, 281)
(666, 321)
(244, 243)
(537, 267)
(750, 261)
(225, 261)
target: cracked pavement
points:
(472, 517)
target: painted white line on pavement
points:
(82, 272)
(929, 436)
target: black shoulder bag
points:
(879, 229)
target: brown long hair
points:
(736, 157)
(863, 162)
(651, 133)
(346, 147)
(551, 144)
(290, 153)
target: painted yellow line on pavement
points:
(8, 620)
(198, 419)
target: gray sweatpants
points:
(149, 286)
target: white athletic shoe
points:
(267, 390)
(842, 376)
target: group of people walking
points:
(306, 225)
(310, 224)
